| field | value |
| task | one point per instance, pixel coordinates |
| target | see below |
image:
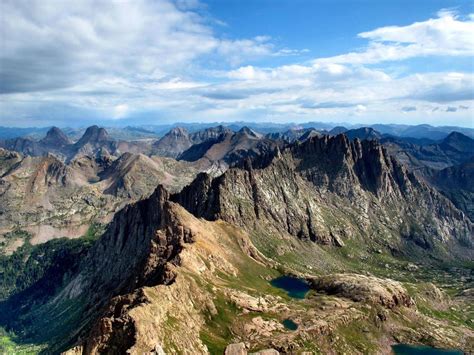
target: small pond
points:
(289, 324)
(406, 349)
(295, 287)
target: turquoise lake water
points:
(295, 287)
(289, 324)
(405, 349)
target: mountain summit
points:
(93, 135)
(55, 138)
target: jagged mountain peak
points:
(55, 137)
(213, 133)
(290, 190)
(178, 132)
(93, 135)
(458, 141)
(173, 143)
(363, 133)
(249, 132)
(337, 130)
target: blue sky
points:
(327, 27)
(159, 61)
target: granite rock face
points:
(136, 248)
(330, 189)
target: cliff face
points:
(135, 250)
(140, 248)
(329, 189)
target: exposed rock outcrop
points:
(361, 288)
(329, 189)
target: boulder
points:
(361, 288)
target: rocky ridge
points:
(178, 141)
(299, 190)
(230, 148)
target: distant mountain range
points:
(155, 131)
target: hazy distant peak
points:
(94, 134)
(363, 133)
(249, 132)
(338, 130)
(456, 136)
(55, 137)
(458, 142)
(178, 131)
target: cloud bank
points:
(64, 62)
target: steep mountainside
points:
(94, 140)
(172, 143)
(55, 138)
(8, 159)
(136, 175)
(331, 191)
(381, 256)
(179, 284)
(457, 183)
(22, 145)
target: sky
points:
(121, 62)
